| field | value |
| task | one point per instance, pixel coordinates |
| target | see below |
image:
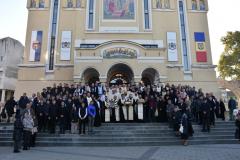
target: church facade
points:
(117, 41)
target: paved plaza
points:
(198, 152)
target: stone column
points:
(3, 95)
(137, 79)
(103, 79)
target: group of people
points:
(73, 107)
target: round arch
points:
(150, 76)
(120, 73)
(90, 75)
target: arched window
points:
(167, 4)
(146, 14)
(69, 3)
(202, 5)
(194, 4)
(41, 3)
(33, 4)
(91, 14)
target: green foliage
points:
(229, 63)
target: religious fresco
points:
(119, 9)
(41, 3)
(33, 4)
(161, 4)
(157, 4)
(202, 5)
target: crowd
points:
(76, 108)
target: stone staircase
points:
(129, 134)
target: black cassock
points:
(162, 114)
(120, 104)
(97, 121)
(62, 114)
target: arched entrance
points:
(90, 75)
(150, 76)
(120, 74)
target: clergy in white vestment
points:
(107, 110)
(140, 107)
(135, 103)
(124, 107)
(129, 104)
(89, 98)
(116, 109)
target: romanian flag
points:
(201, 51)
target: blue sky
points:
(223, 16)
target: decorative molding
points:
(31, 65)
(88, 59)
(197, 11)
(164, 10)
(163, 77)
(119, 29)
(140, 42)
(174, 65)
(39, 9)
(64, 65)
(203, 66)
(73, 9)
(91, 31)
(76, 77)
(151, 59)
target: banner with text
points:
(66, 46)
(172, 46)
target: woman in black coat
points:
(97, 121)
(222, 110)
(238, 126)
(162, 110)
(185, 128)
(17, 132)
(10, 104)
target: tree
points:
(229, 63)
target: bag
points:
(181, 128)
(156, 113)
(34, 130)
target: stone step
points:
(159, 124)
(159, 127)
(140, 125)
(129, 134)
(132, 143)
(141, 128)
(119, 134)
(121, 139)
(143, 132)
